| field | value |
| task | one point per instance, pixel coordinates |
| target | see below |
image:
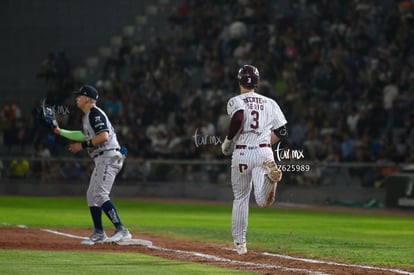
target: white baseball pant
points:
(247, 171)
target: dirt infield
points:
(207, 253)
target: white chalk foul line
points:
(219, 259)
(337, 264)
(148, 244)
(64, 234)
(206, 256)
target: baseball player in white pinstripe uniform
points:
(256, 123)
(102, 146)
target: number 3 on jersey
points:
(255, 124)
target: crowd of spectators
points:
(342, 71)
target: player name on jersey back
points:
(254, 103)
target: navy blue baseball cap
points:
(89, 91)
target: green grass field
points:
(378, 240)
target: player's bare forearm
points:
(100, 138)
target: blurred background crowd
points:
(342, 72)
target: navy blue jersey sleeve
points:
(98, 121)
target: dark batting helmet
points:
(248, 76)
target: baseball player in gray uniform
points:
(256, 123)
(102, 146)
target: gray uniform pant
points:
(107, 167)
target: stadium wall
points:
(316, 195)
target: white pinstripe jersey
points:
(261, 116)
(94, 122)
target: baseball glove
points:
(273, 171)
(47, 116)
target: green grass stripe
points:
(381, 240)
(58, 262)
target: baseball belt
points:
(103, 152)
(241, 146)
